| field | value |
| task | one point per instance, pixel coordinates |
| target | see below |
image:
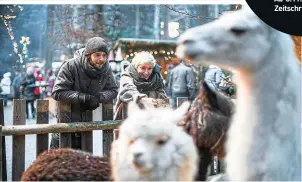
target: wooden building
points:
(162, 50)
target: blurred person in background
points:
(5, 87)
(17, 83)
(27, 91)
(39, 79)
(213, 77)
(181, 82)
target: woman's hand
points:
(148, 102)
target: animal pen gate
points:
(42, 128)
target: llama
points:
(207, 122)
(150, 147)
(264, 140)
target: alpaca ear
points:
(180, 113)
(133, 107)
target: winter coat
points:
(78, 76)
(16, 85)
(28, 87)
(131, 87)
(51, 82)
(128, 89)
(213, 77)
(17, 81)
(6, 83)
(37, 89)
(182, 82)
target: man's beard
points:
(97, 66)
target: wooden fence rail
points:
(65, 126)
(59, 127)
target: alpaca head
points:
(152, 147)
(238, 39)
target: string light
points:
(7, 22)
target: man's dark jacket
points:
(73, 79)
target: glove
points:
(90, 101)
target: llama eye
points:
(132, 141)
(162, 140)
(238, 31)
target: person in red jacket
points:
(39, 79)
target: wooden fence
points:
(64, 126)
(42, 128)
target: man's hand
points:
(90, 101)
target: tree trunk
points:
(50, 34)
(137, 21)
(99, 22)
(156, 22)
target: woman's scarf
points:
(154, 82)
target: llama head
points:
(152, 147)
(238, 39)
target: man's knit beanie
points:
(96, 44)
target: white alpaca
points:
(151, 147)
(264, 140)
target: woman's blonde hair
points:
(143, 58)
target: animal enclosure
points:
(42, 128)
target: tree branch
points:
(187, 14)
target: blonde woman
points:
(140, 80)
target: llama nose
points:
(137, 155)
(188, 41)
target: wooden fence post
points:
(107, 113)
(64, 113)
(42, 118)
(18, 162)
(1, 152)
(3, 149)
(86, 137)
(180, 100)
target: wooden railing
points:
(42, 128)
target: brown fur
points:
(208, 122)
(68, 165)
(297, 41)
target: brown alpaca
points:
(208, 122)
(68, 165)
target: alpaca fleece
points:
(67, 165)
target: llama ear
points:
(181, 112)
(210, 94)
(208, 90)
(132, 108)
